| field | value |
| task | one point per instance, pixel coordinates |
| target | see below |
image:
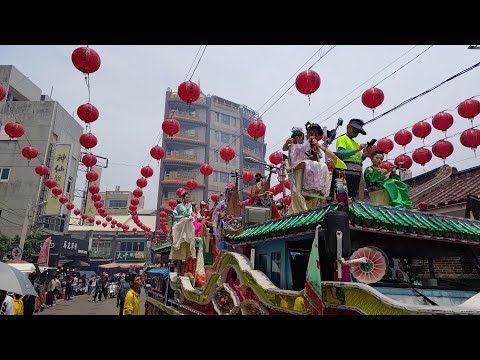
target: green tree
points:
(32, 247)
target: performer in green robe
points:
(378, 179)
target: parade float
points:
(337, 259)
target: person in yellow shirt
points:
(352, 153)
(132, 299)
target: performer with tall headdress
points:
(183, 234)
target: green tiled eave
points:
(303, 222)
(369, 216)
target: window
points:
(128, 246)
(225, 138)
(215, 116)
(123, 246)
(117, 203)
(276, 267)
(4, 174)
(69, 184)
(225, 119)
(262, 263)
(217, 136)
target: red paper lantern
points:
(89, 160)
(188, 91)
(206, 169)
(108, 218)
(112, 226)
(76, 212)
(403, 137)
(256, 129)
(227, 153)
(87, 113)
(215, 197)
(387, 165)
(56, 191)
(29, 152)
(421, 129)
(86, 60)
(91, 220)
(192, 184)
(247, 176)
(146, 171)
(132, 208)
(3, 93)
(230, 185)
(287, 184)
(88, 140)
(172, 203)
(14, 129)
(94, 189)
(134, 201)
(442, 149)
(157, 152)
(405, 159)
(113, 222)
(97, 204)
(276, 158)
(385, 145)
(137, 193)
(469, 108)
(134, 230)
(287, 200)
(275, 190)
(142, 182)
(91, 176)
(84, 216)
(50, 183)
(307, 82)
(422, 156)
(63, 199)
(70, 206)
(373, 98)
(179, 192)
(162, 214)
(98, 222)
(170, 126)
(96, 197)
(442, 121)
(470, 138)
(104, 224)
(41, 170)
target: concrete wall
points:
(24, 184)
(18, 84)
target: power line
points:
(200, 59)
(241, 127)
(423, 93)
(193, 62)
(403, 66)
(11, 222)
(370, 78)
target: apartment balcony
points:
(259, 140)
(175, 178)
(178, 157)
(201, 100)
(253, 153)
(187, 117)
(186, 137)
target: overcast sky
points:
(129, 91)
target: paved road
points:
(79, 305)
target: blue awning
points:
(158, 272)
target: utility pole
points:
(26, 224)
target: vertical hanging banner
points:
(58, 171)
(90, 210)
(44, 254)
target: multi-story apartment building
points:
(206, 126)
(24, 199)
